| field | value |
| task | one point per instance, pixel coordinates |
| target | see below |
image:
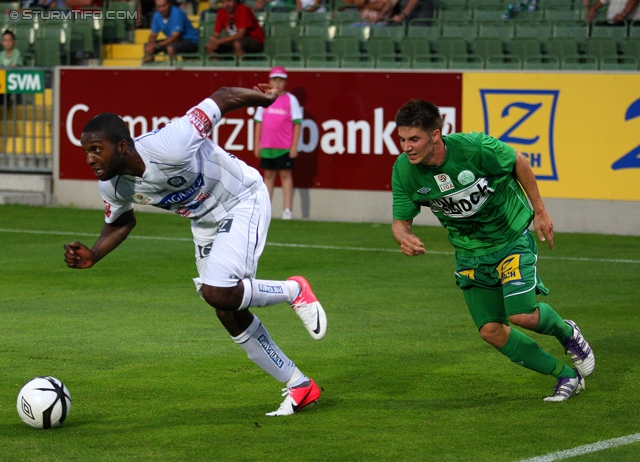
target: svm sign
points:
(21, 81)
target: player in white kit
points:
(179, 168)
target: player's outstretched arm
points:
(79, 256)
(410, 244)
(541, 221)
(231, 98)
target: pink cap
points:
(278, 72)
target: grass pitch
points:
(405, 376)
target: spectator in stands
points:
(406, 10)
(243, 32)
(617, 12)
(10, 56)
(311, 5)
(274, 5)
(180, 35)
(209, 12)
(277, 132)
(145, 10)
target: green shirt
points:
(474, 193)
(9, 61)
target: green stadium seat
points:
(562, 47)
(634, 30)
(618, 32)
(288, 60)
(377, 46)
(503, 62)
(188, 60)
(561, 13)
(450, 13)
(312, 45)
(540, 30)
(414, 46)
(487, 46)
(221, 60)
(394, 32)
(618, 63)
(51, 47)
(499, 29)
(478, 3)
(347, 16)
(450, 46)
(488, 13)
(579, 62)
(601, 47)
(357, 61)
(323, 60)
(466, 62)
(631, 47)
(468, 30)
(577, 30)
(426, 28)
(277, 45)
(326, 29)
(283, 16)
(393, 61)
(429, 61)
(541, 62)
(342, 46)
(254, 60)
(362, 32)
(315, 16)
(116, 28)
(524, 47)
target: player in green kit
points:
(478, 188)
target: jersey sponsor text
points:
(463, 203)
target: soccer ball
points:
(43, 402)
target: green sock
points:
(552, 324)
(522, 350)
(562, 370)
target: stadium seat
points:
(396, 33)
(361, 32)
(562, 47)
(429, 61)
(631, 47)
(466, 62)
(618, 63)
(577, 30)
(393, 61)
(222, 60)
(414, 46)
(342, 46)
(579, 62)
(634, 30)
(116, 28)
(618, 32)
(312, 45)
(489, 3)
(283, 16)
(503, 62)
(188, 59)
(357, 61)
(487, 46)
(601, 47)
(488, 13)
(429, 29)
(524, 47)
(315, 16)
(541, 62)
(254, 60)
(277, 45)
(450, 46)
(540, 30)
(326, 29)
(290, 29)
(468, 30)
(451, 13)
(51, 46)
(561, 13)
(377, 46)
(502, 30)
(346, 16)
(324, 60)
(288, 60)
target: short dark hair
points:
(418, 113)
(9, 32)
(112, 126)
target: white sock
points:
(298, 379)
(258, 292)
(260, 349)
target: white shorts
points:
(230, 251)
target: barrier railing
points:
(26, 118)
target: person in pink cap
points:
(277, 131)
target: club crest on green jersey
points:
(466, 177)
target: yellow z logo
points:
(470, 273)
(509, 269)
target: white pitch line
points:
(586, 449)
(305, 246)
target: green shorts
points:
(503, 283)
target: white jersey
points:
(185, 172)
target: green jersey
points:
(474, 193)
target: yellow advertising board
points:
(580, 132)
